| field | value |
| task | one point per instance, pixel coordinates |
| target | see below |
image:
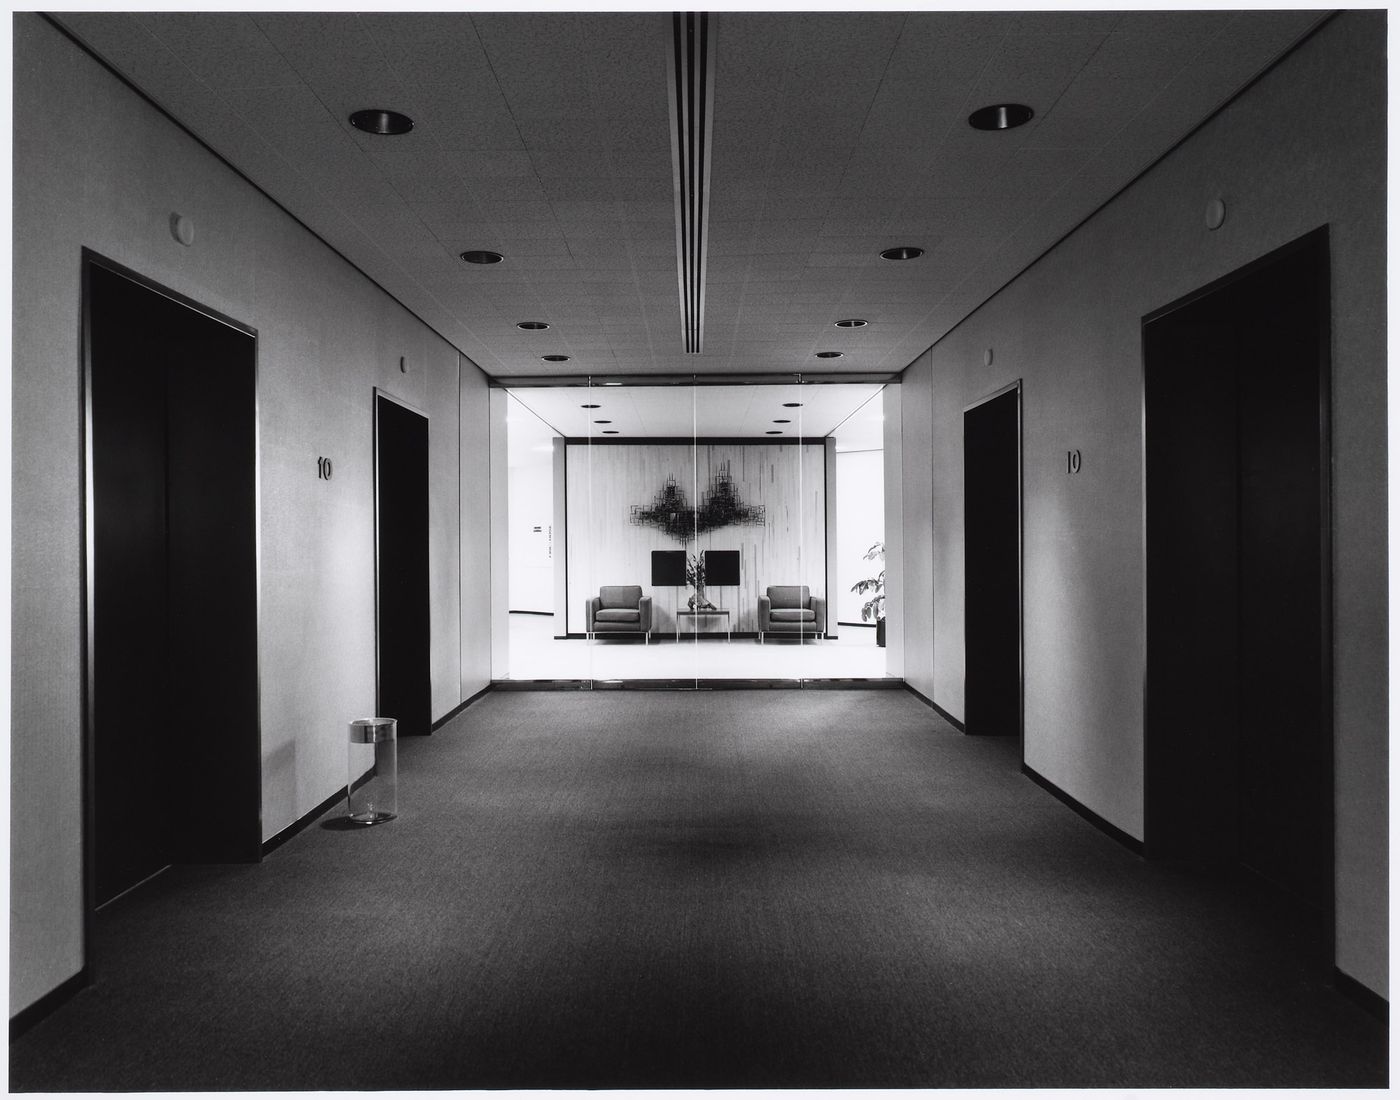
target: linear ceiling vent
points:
(691, 69)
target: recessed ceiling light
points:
(772, 433)
(782, 422)
(481, 256)
(590, 406)
(532, 326)
(792, 404)
(830, 354)
(854, 322)
(609, 431)
(378, 121)
(903, 252)
(602, 421)
(1000, 116)
(555, 358)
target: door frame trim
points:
(87, 526)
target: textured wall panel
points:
(921, 539)
(476, 520)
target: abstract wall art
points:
(721, 506)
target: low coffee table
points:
(696, 616)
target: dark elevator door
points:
(401, 565)
(1239, 766)
(992, 564)
(174, 719)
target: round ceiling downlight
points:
(830, 354)
(481, 256)
(610, 431)
(792, 404)
(772, 433)
(854, 322)
(554, 358)
(602, 421)
(590, 406)
(532, 326)
(903, 252)
(782, 422)
(1000, 116)
(376, 120)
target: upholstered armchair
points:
(791, 609)
(619, 609)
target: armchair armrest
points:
(644, 606)
(765, 608)
(590, 608)
(819, 610)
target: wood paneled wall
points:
(605, 547)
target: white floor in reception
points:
(535, 654)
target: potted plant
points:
(695, 577)
(875, 606)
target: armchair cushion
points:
(620, 595)
(789, 595)
(617, 615)
(793, 615)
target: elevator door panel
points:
(992, 464)
(1238, 737)
(401, 521)
(174, 717)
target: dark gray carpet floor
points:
(741, 888)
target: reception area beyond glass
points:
(691, 531)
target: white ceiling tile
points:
(545, 135)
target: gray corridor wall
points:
(1302, 148)
(97, 166)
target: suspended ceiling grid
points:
(546, 137)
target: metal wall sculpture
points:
(670, 512)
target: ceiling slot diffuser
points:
(691, 71)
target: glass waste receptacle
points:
(372, 792)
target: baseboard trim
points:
(703, 684)
(838, 683)
(463, 705)
(277, 840)
(538, 685)
(921, 697)
(54, 999)
(1104, 826)
(1368, 999)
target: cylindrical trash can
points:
(372, 794)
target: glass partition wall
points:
(693, 536)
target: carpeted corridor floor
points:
(709, 889)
